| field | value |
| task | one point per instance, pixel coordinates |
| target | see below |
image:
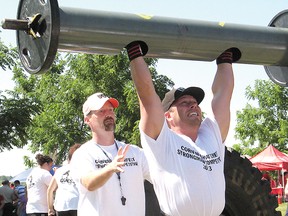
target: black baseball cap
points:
(174, 94)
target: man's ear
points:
(86, 120)
(168, 118)
(167, 114)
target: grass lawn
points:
(282, 207)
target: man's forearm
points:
(96, 179)
(142, 79)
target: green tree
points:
(257, 127)
(8, 56)
(15, 112)
(60, 93)
(15, 118)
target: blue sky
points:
(183, 73)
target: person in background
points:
(109, 176)
(185, 153)
(267, 177)
(9, 197)
(2, 203)
(20, 193)
(67, 195)
(12, 186)
(37, 185)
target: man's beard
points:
(109, 124)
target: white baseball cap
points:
(96, 101)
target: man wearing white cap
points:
(110, 174)
(185, 154)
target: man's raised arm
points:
(222, 89)
(152, 114)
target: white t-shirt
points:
(107, 199)
(188, 177)
(37, 184)
(67, 195)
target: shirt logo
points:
(207, 160)
(128, 162)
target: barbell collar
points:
(14, 24)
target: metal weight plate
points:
(279, 74)
(38, 47)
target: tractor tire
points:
(151, 205)
(246, 194)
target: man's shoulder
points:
(6, 190)
(85, 150)
(84, 146)
(208, 121)
(136, 147)
(132, 147)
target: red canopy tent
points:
(270, 159)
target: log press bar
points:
(43, 28)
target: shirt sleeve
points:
(80, 165)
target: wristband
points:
(225, 57)
(229, 56)
(136, 49)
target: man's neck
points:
(191, 132)
(105, 139)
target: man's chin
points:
(110, 127)
(195, 122)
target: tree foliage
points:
(257, 127)
(15, 111)
(8, 56)
(56, 98)
(15, 118)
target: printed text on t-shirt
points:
(207, 160)
(128, 162)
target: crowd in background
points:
(33, 197)
(13, 195)
(13, 199)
